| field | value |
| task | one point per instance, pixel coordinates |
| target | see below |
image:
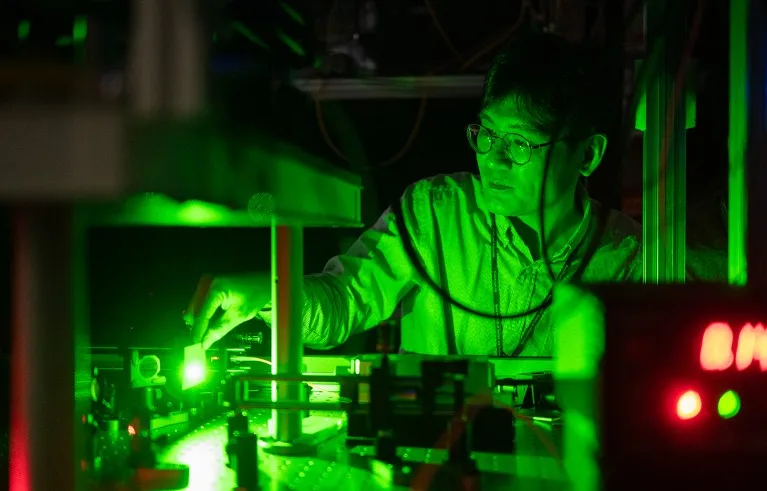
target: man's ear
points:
(593, 151)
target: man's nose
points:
(494, 161)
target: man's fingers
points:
(198, 299)
(221, 327)
(208, 308)
(211, 338)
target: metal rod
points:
(738, 196)
(401, 408)
(452, 86)
(287, 343)
(664, 214)
(186, 59)
(339, 379)
(292, 406)
(145, 64)
(309, 378)
(43, 421)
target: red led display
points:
(720, 350)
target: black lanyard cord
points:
(537, 315)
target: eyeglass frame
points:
(494, 137)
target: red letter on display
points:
(716, 350)
(752, 347)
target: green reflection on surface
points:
(158, 210)
(200, 212)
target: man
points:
(478, 238)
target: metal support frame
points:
(664, 203)
(167, 58)
(747, 210)
(737, 218)
(443, 86)
(46, 371)
(287, 343)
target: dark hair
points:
(560, 85)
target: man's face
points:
(512, 189)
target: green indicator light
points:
(729, 404)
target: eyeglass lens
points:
(516, 147)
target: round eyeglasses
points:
(516, 147)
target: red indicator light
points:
(131, 430)
(752, 347)
(718, 353)
(716, 350)
(688, 405)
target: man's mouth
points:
(497, 186)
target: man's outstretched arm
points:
(361, 288)
(356, 291)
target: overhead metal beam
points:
(444, 87)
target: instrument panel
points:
(683, 385)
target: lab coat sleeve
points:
(362, 288)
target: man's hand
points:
(221, 304)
